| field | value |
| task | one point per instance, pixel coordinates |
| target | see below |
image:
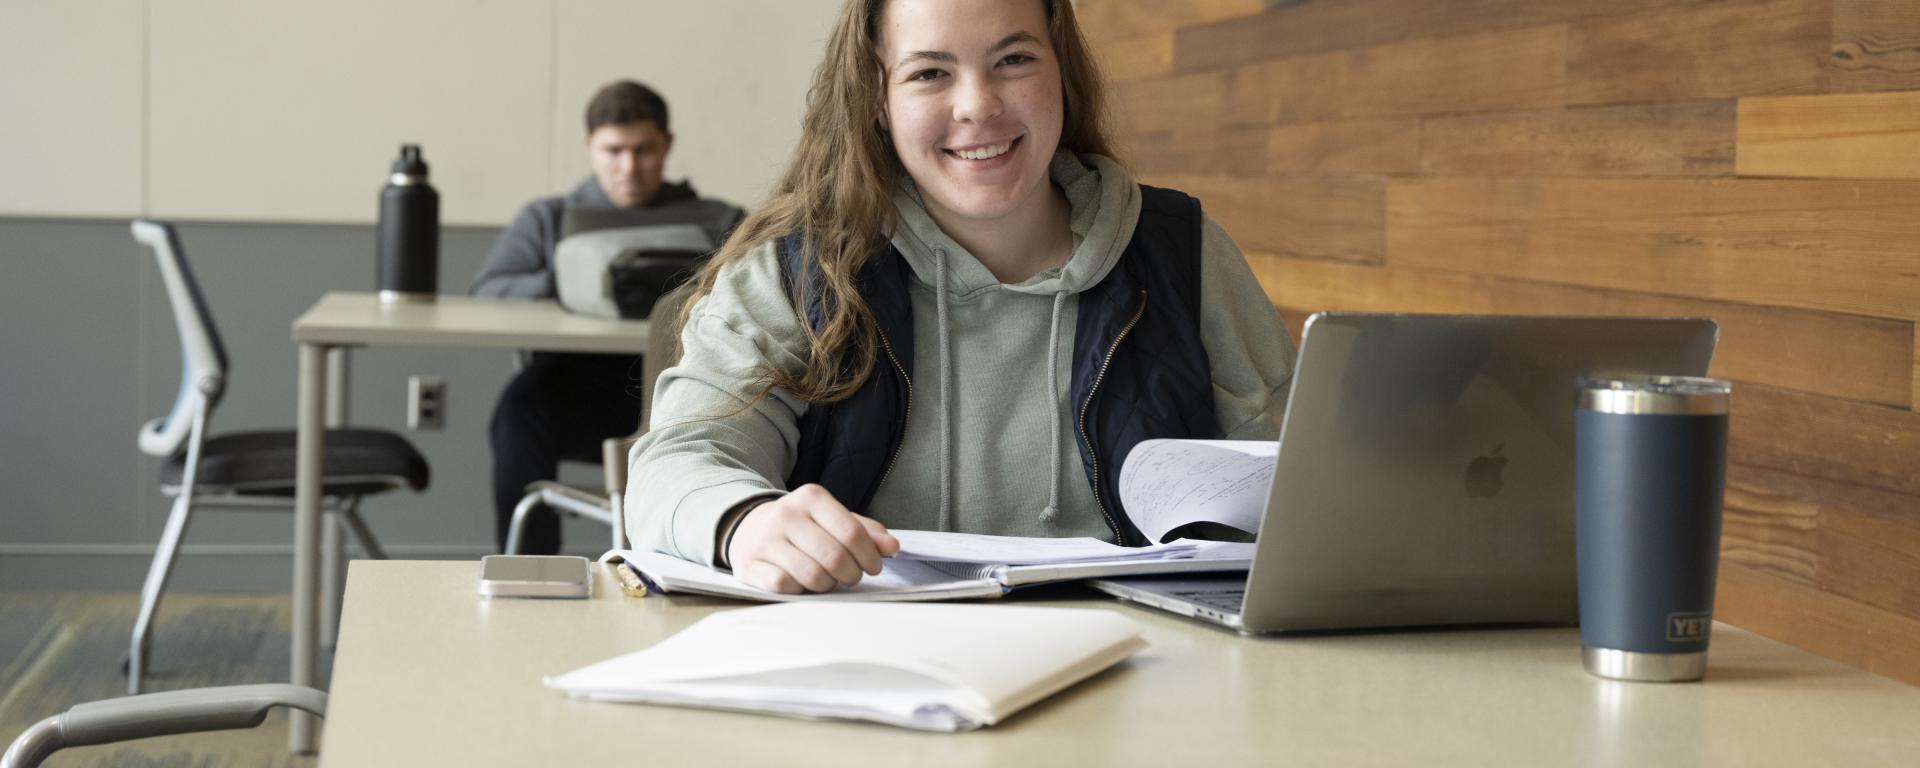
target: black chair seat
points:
(357, 462)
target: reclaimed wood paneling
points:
(1878, 641)
(1138, 58)
(1845, 246)
(1317, 26)
(1352, 147)
(1306, 217)
(1766, 531)
(1636, 157)
(1167, 104)
(1876, 45)
(1856, 542)
(1788, 348)
(1872, 446)
(1112, 19)
(1507, 70)
(1207, 150)
(1847, 135)
(1682, 139)
(1706, 51)
(1872, 560)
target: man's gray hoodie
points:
(990, 439)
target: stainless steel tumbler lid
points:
(1656, 395)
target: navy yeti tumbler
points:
(1651, 458)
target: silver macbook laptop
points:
(1425, 472)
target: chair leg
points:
(162, 567)
(157, 575)
(516, 527)
(617, 505)
(333, 571)
(350, 514)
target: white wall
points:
(237, 110)
(735, 81)
(71, 108)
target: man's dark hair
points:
(625, 101)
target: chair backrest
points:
(203, 359)
(663, 346)
(663, 351)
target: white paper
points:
(937, 667)
(1169, 483)
(1023, 550)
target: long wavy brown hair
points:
(838, 190)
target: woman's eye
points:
(1015, 59)
(924, 75)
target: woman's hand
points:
(806, 541)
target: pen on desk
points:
(630, 583)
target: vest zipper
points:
(1091, 454)
(904, 419)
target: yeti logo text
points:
(1688, 626)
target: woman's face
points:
(974, 104)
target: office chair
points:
(241, 470)
(607, 505)
(157, 714)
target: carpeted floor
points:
(60, 649)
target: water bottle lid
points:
(409, 162)
(1668, 395)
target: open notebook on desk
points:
(1217, 488)
(912, 577)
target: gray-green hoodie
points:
(990, 439)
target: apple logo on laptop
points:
(1483, 475)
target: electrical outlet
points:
(426, 403)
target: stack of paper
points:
(932, 667)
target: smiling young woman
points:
(955, 311)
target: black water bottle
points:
(409, 231)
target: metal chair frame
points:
(157, 714)
(203, 378)
(608, 505)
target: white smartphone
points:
(534, 576)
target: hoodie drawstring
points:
(946, 390)
(1052, 510)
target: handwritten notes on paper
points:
(1170, 483)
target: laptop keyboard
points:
(1228, 600)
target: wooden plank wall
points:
(1757, 161)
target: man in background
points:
(562, 406)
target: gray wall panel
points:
(69, 368)
(102, 356)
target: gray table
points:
(342, 320)
(428, 673)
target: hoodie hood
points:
(1105, 207)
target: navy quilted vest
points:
(1139, 368)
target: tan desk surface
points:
(463, 321)
(428, 673)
